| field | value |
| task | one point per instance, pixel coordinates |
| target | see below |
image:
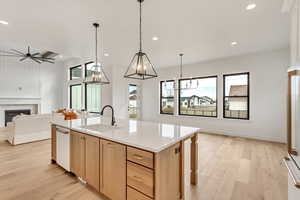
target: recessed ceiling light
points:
(3, 22)
(60, 56)
(155, 38)
(106, 54)
(234, 44)
(250, 6)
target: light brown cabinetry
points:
(140, 178)
(132, 194)
(122, 172)
(113, 170)
(77, 157)
(92, 161)
(141, 157)
(53, 143)
(168, 174)
(85, 158)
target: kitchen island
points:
(135, 160)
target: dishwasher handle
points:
(62, 130)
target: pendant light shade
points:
(140, 66)
(97, 74)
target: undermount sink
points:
(100, 127)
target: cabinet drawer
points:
(140, 178)
(132, 194)
(139, 156)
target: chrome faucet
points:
(113, 120)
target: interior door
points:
(113, 170)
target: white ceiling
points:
(202, 29)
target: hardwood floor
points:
(230, 169)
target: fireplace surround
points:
(10, 114)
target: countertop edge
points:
(127, 143)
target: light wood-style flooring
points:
(230, 169)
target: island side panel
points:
(53, 143)
(194, 160)
(168, 173)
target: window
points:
(75, 97)
(236, 96)
(198, 96)
(133, 101)
(93, 98)
(167, 97)
(75, 72)
(88, 68)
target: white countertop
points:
(150, 136)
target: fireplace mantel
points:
(20, 100)
(16, 103)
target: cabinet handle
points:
(138, 157)
(296, 183)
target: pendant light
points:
(188, 84)
(140, 66)
(97, 76)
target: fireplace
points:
(10, 114)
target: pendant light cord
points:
(181, 64)
(140, 25)
(298, 30)
(96, 47)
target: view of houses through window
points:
(167, 97)
(133, 101)
(236, 96)
(198, 97)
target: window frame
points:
(70, 88)
(194, 78)
(85, 68)
(248, 97)
(70, 72)
(161, 97)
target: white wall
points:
(268, 89)
(30, 80)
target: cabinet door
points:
(53, 143)
(77, 154)
(113, 170)
(92, 158)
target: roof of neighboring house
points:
(238, 90)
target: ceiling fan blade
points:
(48, 61)
(22, 59)
(37, 61)
(9, 55)
(18, 52)
(35, 54)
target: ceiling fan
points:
(37, 57)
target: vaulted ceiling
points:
(202, 29)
